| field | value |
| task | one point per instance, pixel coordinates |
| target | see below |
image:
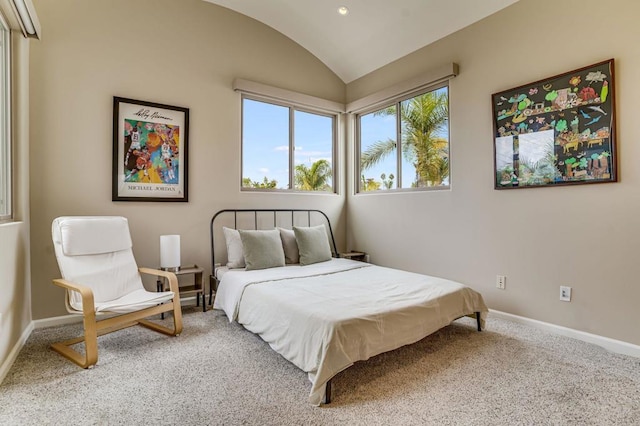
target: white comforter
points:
(326, 316)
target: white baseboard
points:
(8, 362)
(617, 346)
(55, 321)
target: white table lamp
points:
(170, 252)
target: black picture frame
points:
(150, 151)
(557, 131)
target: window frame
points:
(293, 107)
(6, 143)
(397, 100)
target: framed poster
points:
(557, 131)
(150, 144)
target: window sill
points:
(285, 191)
(405, 191)
(9, 223)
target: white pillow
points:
(289, 245)
(235, 254)
(313, 244)
(262, 249)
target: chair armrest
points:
(173, 279)
(85, 292)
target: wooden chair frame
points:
(94, 328)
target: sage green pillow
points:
(313, 244)
(262, 249)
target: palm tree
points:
(369, 184)
(422, 118)
(314, 178)
(266, 183)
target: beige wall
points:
(15, 277)
(586, 237)
(183, 53)
(188, 52)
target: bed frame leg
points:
(327, 393)
(478, 320)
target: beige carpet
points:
(218, 373)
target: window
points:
(405, 144)
(285, 147)
(5, 127)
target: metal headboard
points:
(277, 213)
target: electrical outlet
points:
(501, 282)
(565, 293)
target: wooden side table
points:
(196, 288)
(355, 255)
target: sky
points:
(383, 127)
(266, 142)
(265, 134)
(378, 128)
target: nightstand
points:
(355, 255)
(196, 288)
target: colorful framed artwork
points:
(150, 144)
(557, 131)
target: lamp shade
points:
(170, 251)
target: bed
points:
(325, 316)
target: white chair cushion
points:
(134, 301)
(93, 235)
(111, 275)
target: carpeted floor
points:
(218, 373)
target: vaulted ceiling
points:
(372, 34)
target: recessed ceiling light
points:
(342, 10)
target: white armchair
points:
(100, 275)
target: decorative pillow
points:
(313, 244)
(235, 254)
(289, 245)
(262, 249)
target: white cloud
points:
(263, 170)
(311, 160)
(286, 148)
(310, 157)
(313, 153)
